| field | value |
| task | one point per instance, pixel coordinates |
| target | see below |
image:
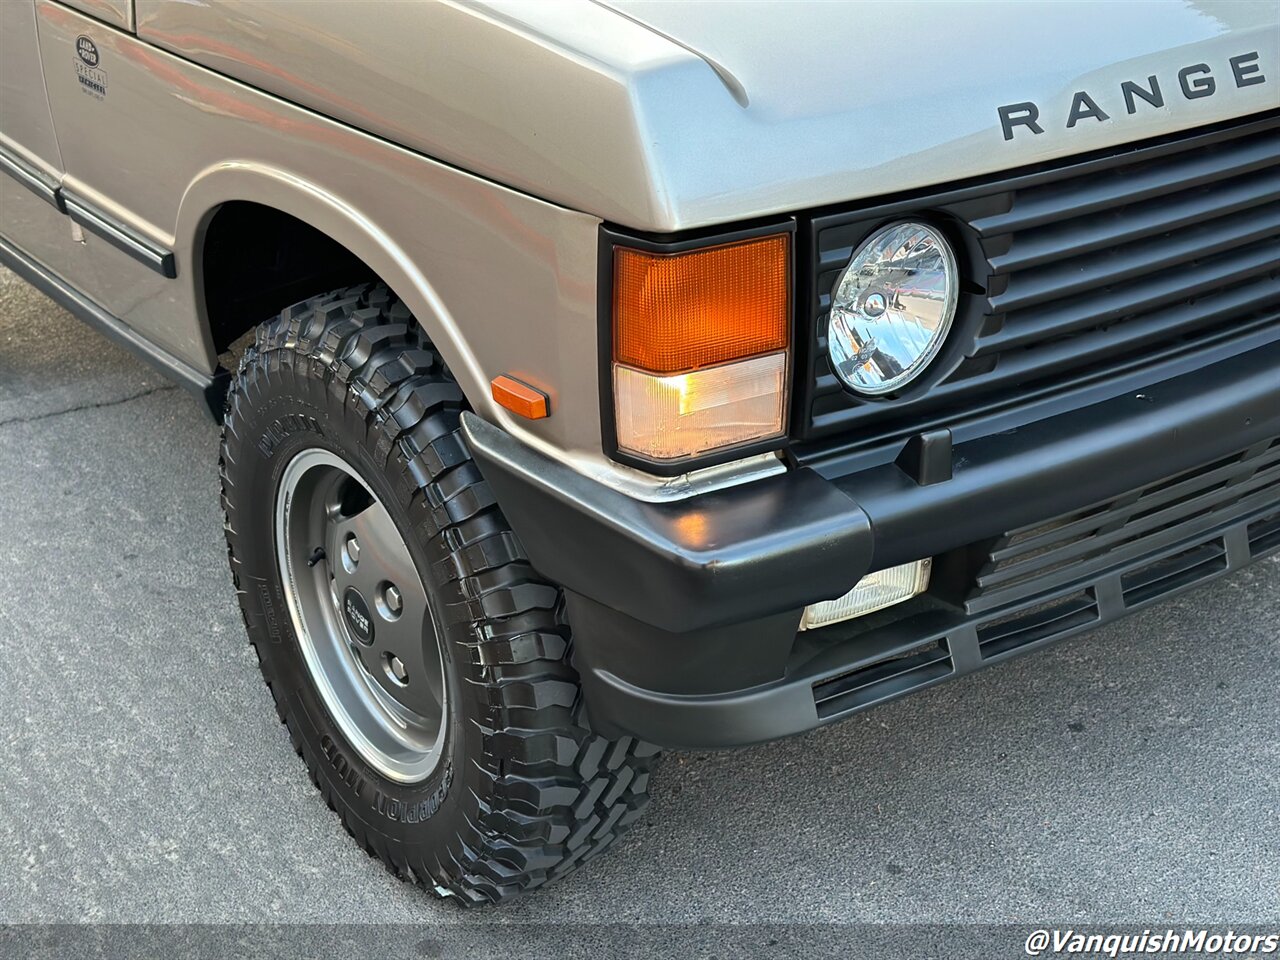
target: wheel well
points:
(258, 260)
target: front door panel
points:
(29, 155)
(115, 153)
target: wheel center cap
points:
(356, 613)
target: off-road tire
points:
(526, 790)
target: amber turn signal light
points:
(678, 312)
(701, 347)
(519, 397)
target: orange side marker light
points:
(520, 398)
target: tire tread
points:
(556, 793)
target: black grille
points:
(1078, 272)
(1119, 533)
(1050, 580)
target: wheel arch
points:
(373, 253)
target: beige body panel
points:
(26, 130)
(80, 258)
(665, 116)
(117, 13)
(504, 90)
(499, 280)
(25, 122)
(467, 153)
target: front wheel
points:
(422, 667)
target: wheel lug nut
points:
(395, 603)
(352, 550)
(397, 668)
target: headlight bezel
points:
(828, 415)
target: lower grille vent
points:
(1172, 573)
(1264, 535)
(1042, 622)
(1058, 578)
(1038, 559)
(883, 679)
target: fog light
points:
(875, 591)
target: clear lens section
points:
(892, 308)
(667, 418)
(873, 592)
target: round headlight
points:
(892, 308)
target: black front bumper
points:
(685, 613)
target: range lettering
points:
(1193, 83)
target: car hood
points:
(836, 101)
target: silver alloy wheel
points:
(361, 616)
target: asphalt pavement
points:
(1129, 774)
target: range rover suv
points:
(597, 378)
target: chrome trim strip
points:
(643, 486)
